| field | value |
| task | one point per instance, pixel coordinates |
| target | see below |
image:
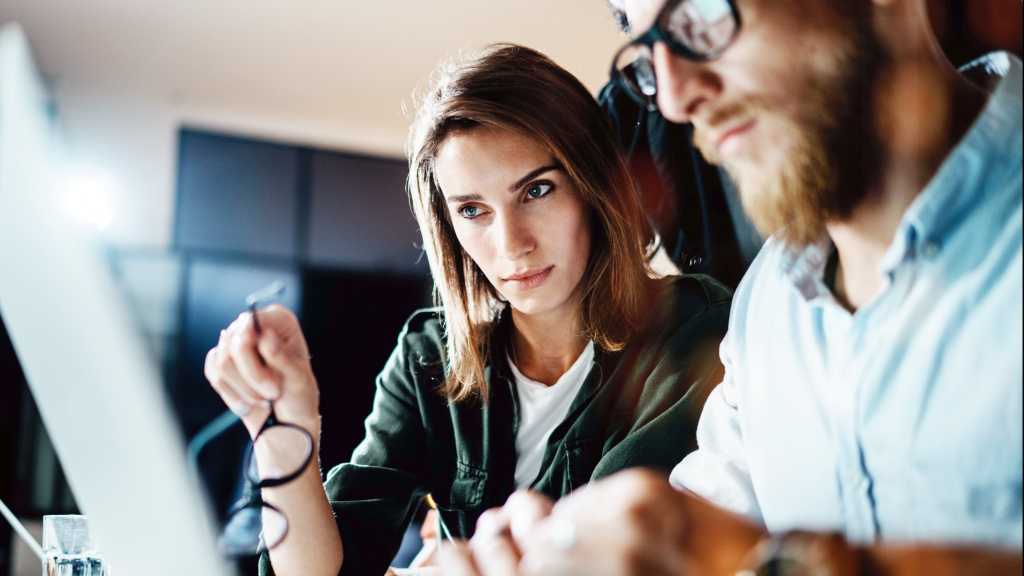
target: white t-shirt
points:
(541, 409)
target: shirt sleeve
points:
(718, 471)
(375, 494)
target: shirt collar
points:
(805, 267)
(987, 153)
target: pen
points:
(440, 522)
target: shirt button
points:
(930, 249)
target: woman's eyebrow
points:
(522, 181)
(464, 198)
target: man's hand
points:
(635, 524)
(494, 551)
(631, 524)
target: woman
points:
(553, 358)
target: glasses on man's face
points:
(697, 30)
(278, 454)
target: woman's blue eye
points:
(538, 190)
(469, 211)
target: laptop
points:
(98, 389)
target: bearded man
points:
(870, 420)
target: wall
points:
(134, 138)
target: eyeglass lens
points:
(251, 529)
(696, 29)
(705, 27)
(278, 452)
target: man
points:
(870, 420)
(691, 204)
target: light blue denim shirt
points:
(901, 421)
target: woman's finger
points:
(236, 394)
(223, 374)
(292, 362)
(239, 385)
(232, 400)
(246, 358)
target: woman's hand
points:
(248, 370)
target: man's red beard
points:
(787, 200)
(829, 167)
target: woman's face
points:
(518, 216)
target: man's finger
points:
(526, 510)
(457, 560)
(561, 563)
(496, 555)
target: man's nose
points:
(684, 87)
(514, 237)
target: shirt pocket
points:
(969, 478)
(456, 485)
(582, 456)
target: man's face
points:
(781, 109)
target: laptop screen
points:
(97, 386)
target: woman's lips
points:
(529, 279)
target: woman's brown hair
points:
(514, 88)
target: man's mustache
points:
(731, 113)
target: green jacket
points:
(637, 407)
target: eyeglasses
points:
(697, 30)
(253, 525)
(278, 454)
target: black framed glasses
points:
(278, 454)
(697, 30)
(253, 525)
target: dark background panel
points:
(11, 390)
(235, 193)
(352, 322)
(214, 297)
(966, 29)
(360, 217)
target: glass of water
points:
(68, 547)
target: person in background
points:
(870, 419)
(555, 356)
(691, 204)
